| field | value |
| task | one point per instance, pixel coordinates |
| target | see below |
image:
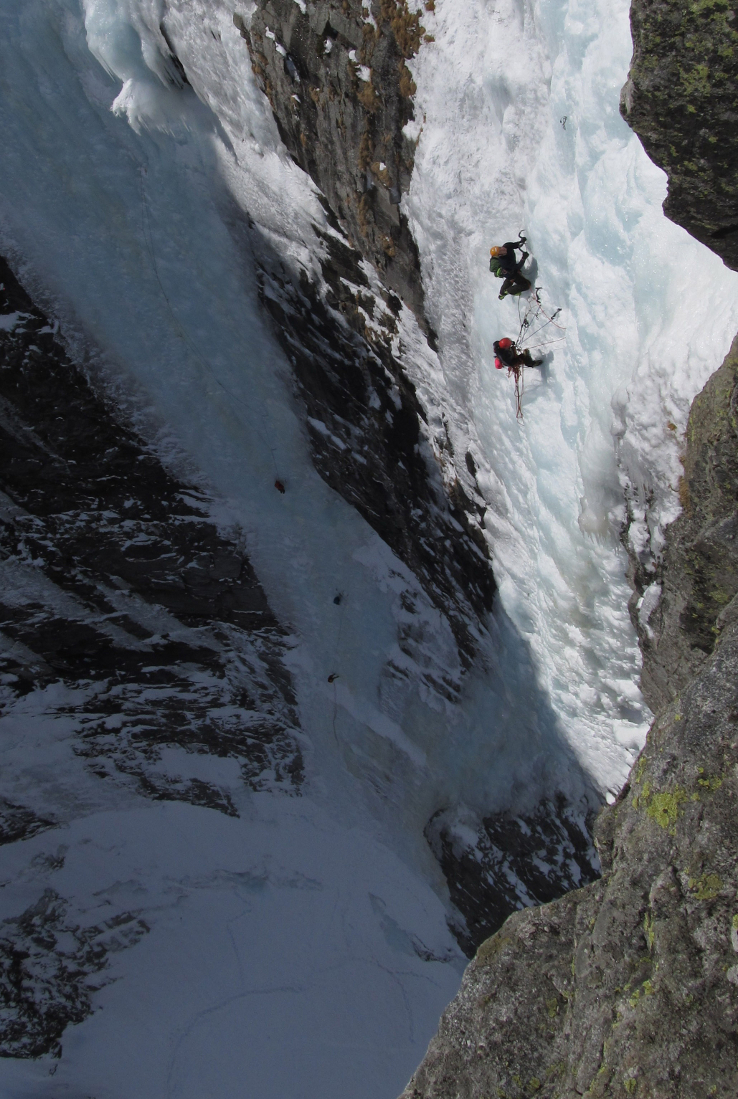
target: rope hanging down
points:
(533, 320)
(535, 315)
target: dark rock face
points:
(515, 861)
(698, 576)
(340, 90)
(117, 584)
(680, 100)
(19, 822)
(336, 77)
(49, 967)
(630, 986)
(368, 433)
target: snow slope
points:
(268, 969)
(302, 949)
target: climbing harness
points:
(534, 319)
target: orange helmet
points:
(496, 250)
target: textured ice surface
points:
(301, 950)
(521, 131)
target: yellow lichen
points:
(367, 96)
(366, 147)
(381, 173)
(405, 25)
(707, 887)
(665, 808)
(407, 85)
(490, 948)
(648, 928)
(709, 782)
(684, 494)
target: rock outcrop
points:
(130, 626)
(680, 100)
(49, 969)
(696, 583)
(369, 434)
(117, 584)
(336, 77)
(509, 861)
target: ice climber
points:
(503, 265)
(507, 354)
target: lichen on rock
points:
(680, 100)
(626, 986)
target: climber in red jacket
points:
(507, 354)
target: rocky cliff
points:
(630, 985)
(680, 100)
(697, 580)
(336, 78)
(130, 623)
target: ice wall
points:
(521, 130)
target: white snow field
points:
(301, 951)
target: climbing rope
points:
(530, 327)
(534, 310)
(517, 373)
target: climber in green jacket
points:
(503, 265)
